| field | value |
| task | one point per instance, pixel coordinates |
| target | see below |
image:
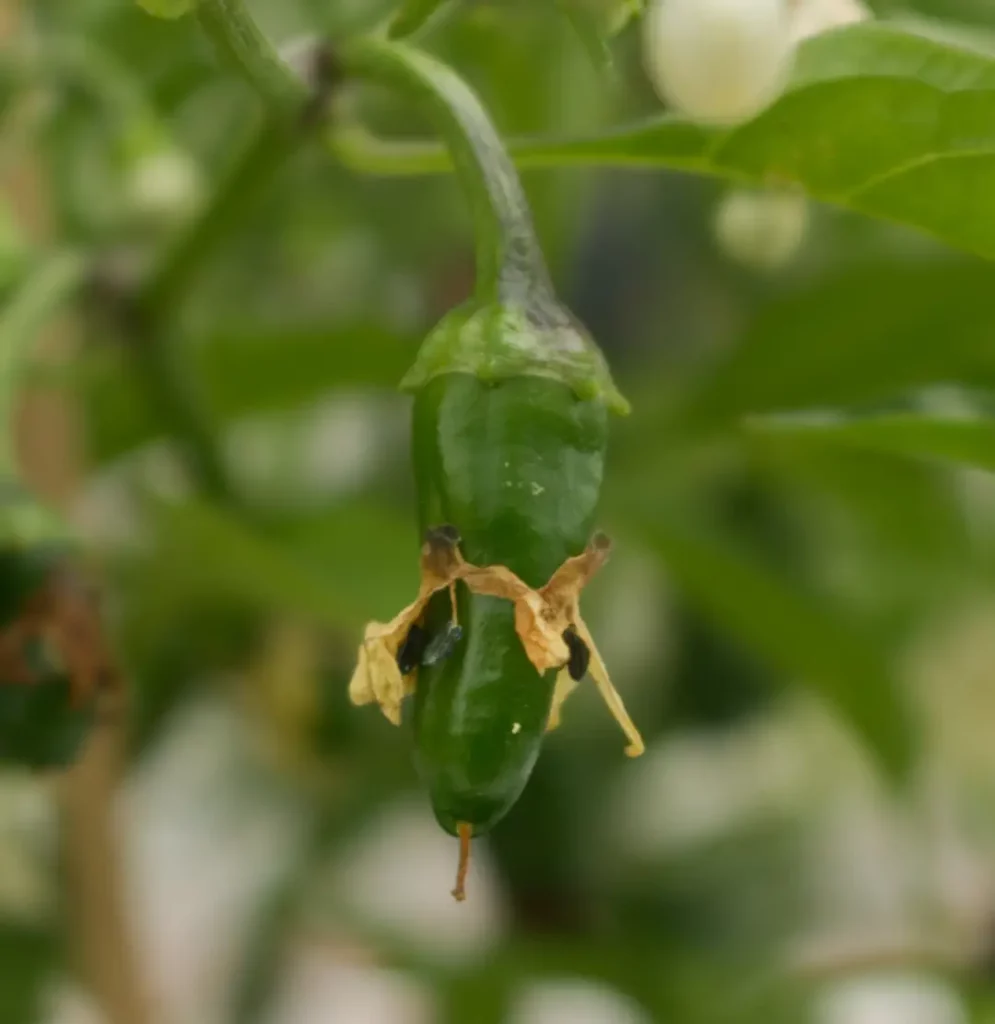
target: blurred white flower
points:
(762, 229)
(105, 512)
(889, 999)
(573, 1001)
(199, 858)
(703, 786)
(163, 184)
(397, 875)
(66, 1002)
(719, 61)
(317, 988)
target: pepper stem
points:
(510, 264)
(465, 832)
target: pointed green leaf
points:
(964, 441)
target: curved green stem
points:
(46, 291)
(268, 146)
(360, 150)
(510, 264)
(237, 38)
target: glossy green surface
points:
(516, 466)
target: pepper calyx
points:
(495, 342)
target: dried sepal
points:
(565, 685)
(599, 673)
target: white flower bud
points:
(718, 61)
(163, 184)
(761, 229)
(812, 17)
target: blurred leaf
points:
(863, 335)
(27, 960)
(796, 631)
(968, 442)
(905, 507)
(351, 569)
(245, 373)
(586, 22)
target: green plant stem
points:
(271, 143)
(45, 291)
(365, 153)
(164, 372)
(509, 260)
(238, 40)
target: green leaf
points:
(967, 442)
(243, 373)
(795, 631)
(868, 334)
(357, 564)
(877, 119)
(586, 22)
(880, 120)
(29, 957)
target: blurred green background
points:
(803, 630)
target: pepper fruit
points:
(54, 661)
(511, 406)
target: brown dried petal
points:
(599, 673)
(377, 676)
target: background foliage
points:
(799, 611)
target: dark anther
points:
(442, 644)
(580, 654)
(410, 655)
(600, 542)
(446, 534)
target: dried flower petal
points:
(541, 618)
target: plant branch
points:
(41, 296)
(365, 153)
(238, 40)
(509, 259)
(97, 909)
(270, 145)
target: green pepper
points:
(511, 408)
(53, 657)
